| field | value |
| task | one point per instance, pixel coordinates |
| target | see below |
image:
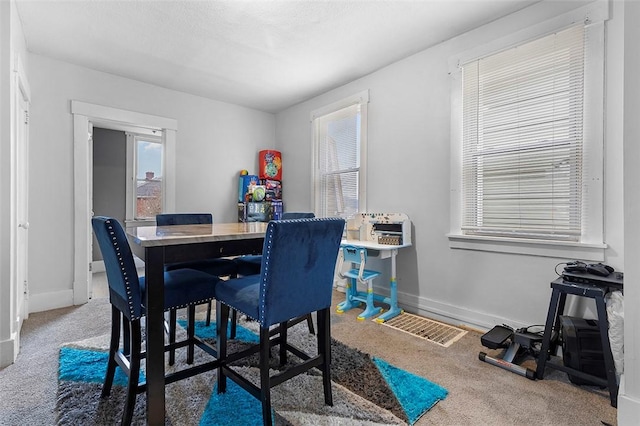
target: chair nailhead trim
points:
(199, 302)
(125, 276)
(265, 273)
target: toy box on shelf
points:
(273, 189)
(259, 211)
(245, 186)
(260, 196)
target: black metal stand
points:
(556, 308)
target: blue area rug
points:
(366, 389)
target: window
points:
(146, 196)
(340, 157)
(530, 150)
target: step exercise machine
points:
(517, 344)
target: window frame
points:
(361, 99)
(132, 173)
(591, 245)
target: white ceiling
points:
(264, 54)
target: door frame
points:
(21, 225)
(13, 308)
(85, 116)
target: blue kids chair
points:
(296, 278)
(357, 256)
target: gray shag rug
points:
(366, 390)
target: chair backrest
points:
(357, 255)
(124, 286)
(298, 265)
(297, 215)
(166, 219)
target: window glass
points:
(339, 154)
(149, 184)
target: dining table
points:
(161, 245)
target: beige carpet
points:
(479, 394)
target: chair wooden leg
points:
(114, 346)
(265, 383)
(283, 342)
(172, 334)
(222, 317)
(134, 370)
(310, 324)
(234, 316)
(324, 348)
(191, 332)
(309, 320)
(234, 324)
(234, 321)
(209, 307)
(126, 339)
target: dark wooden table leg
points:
(154, 302)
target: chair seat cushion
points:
(218, 267)
(184, 287)
(242, 294)
(248, 265)
(367, 274)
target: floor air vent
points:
(424, 328)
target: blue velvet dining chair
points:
(182, 288)
(217, 267)
(296, 279)
(251, 264)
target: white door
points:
(22, 206)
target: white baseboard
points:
(9, 350)
(46, 301)
(450, 314)
(97, 266)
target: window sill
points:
(558, 249)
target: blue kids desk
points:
(382, 234)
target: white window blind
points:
(523, 140)
(338, 154)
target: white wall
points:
(409, 170)
(215, 140)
